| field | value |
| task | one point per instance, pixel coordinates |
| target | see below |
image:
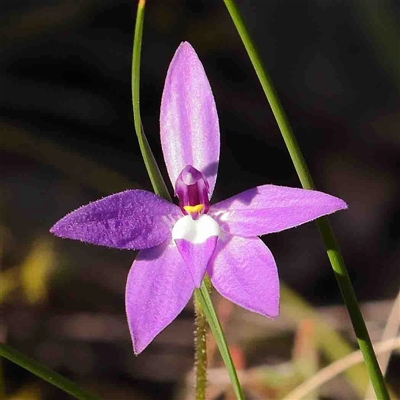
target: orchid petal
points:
(134, 219)
(189, 122)
(158, 288)
(269, 208)
(244, 271)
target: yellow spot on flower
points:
(193, 209)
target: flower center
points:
(191, 188)
(195, 234)
(193, 209)
(196, 240)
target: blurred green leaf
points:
(305, 355)
(328, 340)
(9, 282)
(40, 19)
(71, 164)
(28, 392)
(36, 270)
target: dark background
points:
(65, 88)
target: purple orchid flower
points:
(180, 244)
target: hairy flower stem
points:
(200, 345)
(332, 247)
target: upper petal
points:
(158, 288)
(244, 271)
(134, 219)
(189, 121)
(269, 208)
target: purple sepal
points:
(158, 288)
(134, 219)
(244, 271)
(197, 256)
(269, 208)
(189, 126)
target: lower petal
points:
(244, 271)
(196, 240)
(197, 256)
(158, 288)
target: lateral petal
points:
(134, 219)
(159, 286)
(269, 208)
(244, 271)
(189, 120)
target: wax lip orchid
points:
(179, 244)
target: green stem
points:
(203, 297)
(45, 373)
(160, 188)
(334, 254)
(151, 166)
(200, 345)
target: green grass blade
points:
(45, 373)
(333, 250)
(151, 166)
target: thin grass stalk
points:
(45, 373)
(153, 171)
(332, 247)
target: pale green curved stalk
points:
(45, 373)
(333, 251)
(202, 295)
(151, 166)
